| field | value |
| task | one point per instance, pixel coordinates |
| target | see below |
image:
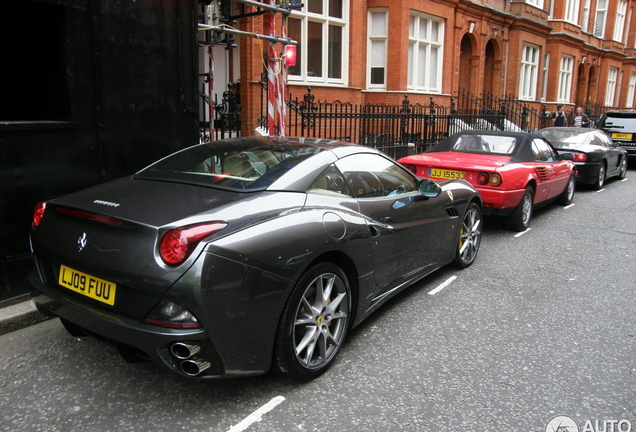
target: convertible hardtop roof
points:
(521, 153)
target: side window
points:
(330, 182)
(370, 176)
(600, 139)
(542, 151)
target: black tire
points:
(520, 218)
(600, 177)
(314, 323)
(567, 196)
(469, 237)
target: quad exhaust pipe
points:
(194, 367)
(186, 352)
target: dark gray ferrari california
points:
(235, 257)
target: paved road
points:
(543, 324)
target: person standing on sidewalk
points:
(559, 116)
(581, 119)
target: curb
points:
(19, 316)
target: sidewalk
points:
(19, 316)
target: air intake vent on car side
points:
(452, 212)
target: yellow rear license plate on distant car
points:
(446, 174)
(90, 286)
(621, 135)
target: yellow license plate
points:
(621, 135)
(90, 286)
(446, 174)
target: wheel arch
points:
(347, 265)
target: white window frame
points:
(619, 23)
(528, 73)
(586, 15)
(535, 3)
(566, 69)
(610, 93)
(431, 77)
(377, 39)
(546, 70)
(631, 90)
(601, 17)
(572, 11)
(326, 21)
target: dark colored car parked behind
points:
(621, 127)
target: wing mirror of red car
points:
(429, 189)
(566, 156)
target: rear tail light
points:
(579, 157)
(493, 179)
(169, 314)
(177, 244)
(38, 212)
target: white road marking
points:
(257, 415)
(600, 190)
(522, 232)
(568, 206)
(625, 179)
(443, 285)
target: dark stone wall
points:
(90, 91)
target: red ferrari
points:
(514, 172)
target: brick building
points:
(543, 52)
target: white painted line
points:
(522, 232)
(442, 285)
(569, 206)
(625, 179)
(257, 415)
(600, 190)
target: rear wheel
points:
(469, 237)
(567, 196)
(623, 172)
(600, 178)
(519, 220)
(314, 323)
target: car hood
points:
(466, 161)
(113, 231)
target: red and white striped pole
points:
(272, 74)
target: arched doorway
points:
(466, 82)
(491, 76)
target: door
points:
(552, 172)
(410, 234)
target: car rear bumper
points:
(500, 202)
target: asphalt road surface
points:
(542, 325)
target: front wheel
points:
(623, 172)
(469, 237)
(314, 323)
(519, 220)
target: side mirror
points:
(566, 156)
(429, 189)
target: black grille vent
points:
(452, 211)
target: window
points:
(321, 29)
(610, 94)
(565, 79)
(586, 16)
(631, 90)
(619, 24)
(536, 3)
(372, 176)
(544, 83)
(601, 12)
(572, 11)
(378, 25)
(542, 151)
(529, 72)
(426, 38)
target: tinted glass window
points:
(238, 164)
(331, 182)
(370, 175)
(566, 138)
(619, 121)
(542, 151)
